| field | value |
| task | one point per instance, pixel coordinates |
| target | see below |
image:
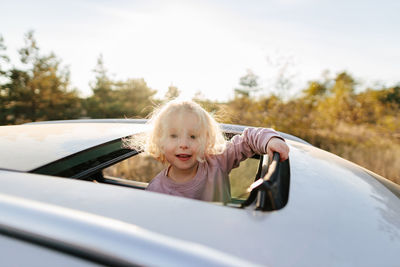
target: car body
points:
(59, 209)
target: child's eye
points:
(193, 136)
(173, 136)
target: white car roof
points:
(102, 239)
(29, 146)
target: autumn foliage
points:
(362, 127)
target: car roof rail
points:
(271, 190)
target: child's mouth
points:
(183, 157)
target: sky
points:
(206, 46)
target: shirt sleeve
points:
(251, 141)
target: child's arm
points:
(252, 141)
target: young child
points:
(188, 138)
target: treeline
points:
(362, 126)
(41, 90)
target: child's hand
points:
(277, 145)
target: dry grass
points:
(141, 168)
(366, 146)
(384, 161)
(242, 177)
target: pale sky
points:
(208, 45)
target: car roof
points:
(29, 146)
(101, 239)
(32, 145)
(336, 215)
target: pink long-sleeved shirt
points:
(211, 182)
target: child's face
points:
(182, 143)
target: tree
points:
(40, 91)
(99, 105)
(116, 99)
(3, 78)
(391, 95)
(315, 91)
(248, 85)
(340, 102)
(3, 57)
(134, 98)
(173, 92)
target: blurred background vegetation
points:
(360, 125)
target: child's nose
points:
(184, 143)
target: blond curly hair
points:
(211, 138)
